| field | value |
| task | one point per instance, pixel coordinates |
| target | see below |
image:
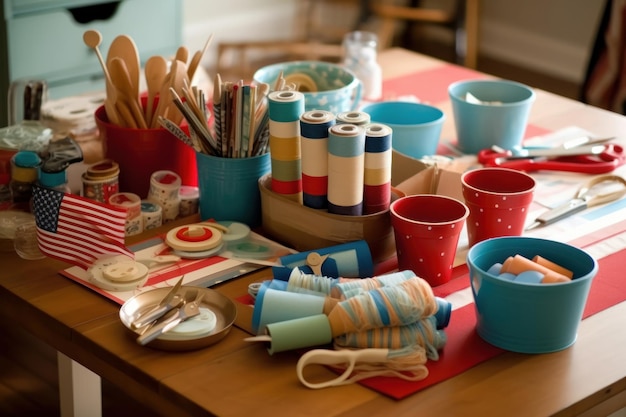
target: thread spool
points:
(101, 180)
(346, 148)
(164, 190)
(285, 109)
(314, 127)
(358, 118)
(377, 168)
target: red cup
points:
(141, 152)
(427, 228)
(498, 199)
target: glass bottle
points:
(359, 56)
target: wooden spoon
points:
(122, 81)
(182, 54)
(175, 79)
(93, 39)
(197, 57)
(124, 47)
(155, 71)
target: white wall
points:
(553, 36)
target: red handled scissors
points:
(606, 160)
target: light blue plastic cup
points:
(229, 188)
(481, 126)
(416, 127)
(526, 317)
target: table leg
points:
(79, 389)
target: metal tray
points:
(223, 308)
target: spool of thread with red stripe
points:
(314, 125)
(377, 168)
(285, 109)
(346, 148)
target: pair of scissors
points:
(583, 199)
(606, 160)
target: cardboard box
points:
(304, 228)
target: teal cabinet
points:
(43, 39)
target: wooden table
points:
(237, 378)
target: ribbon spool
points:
(194, 238)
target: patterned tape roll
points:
(189, 200)
(164, 189)
(152, 215)
(129, 201)
(314, 127)
(285, 109)
(346, 148)
(377, 168)
(101, 180)
(358, 118)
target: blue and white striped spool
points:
(346, 158)
(358, 118)
(285, 109)
(314, 125)
(377, 168)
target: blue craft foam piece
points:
(507, 276)
(529, 277)
(495, 269)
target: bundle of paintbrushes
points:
(241, 118)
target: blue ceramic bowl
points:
(529, 318)
(326, 86)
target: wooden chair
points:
(319, 27)
(463, 18)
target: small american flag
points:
(77, 230)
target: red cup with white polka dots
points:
(498, 199)
(427, 228)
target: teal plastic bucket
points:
(229, 188)
(523, 317)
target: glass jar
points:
(359, 56)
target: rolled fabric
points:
(346, 158)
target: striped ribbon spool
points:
(346, 148)
(358, 118)
(285, 109)
(377, 168)
(314, 125)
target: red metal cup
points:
(427, 228)
(498, 199)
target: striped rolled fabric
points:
(346, 148)
(285, 109)
(314, 127)
(377, 168)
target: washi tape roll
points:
(164, 190)
(152, 215)
(358, 118)
(129, 201)
(134, 226)
(189, 200)
(346, 148)
(194, 238)
(377, 168)
(101, 180)
(285, 108)
(314, 127)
